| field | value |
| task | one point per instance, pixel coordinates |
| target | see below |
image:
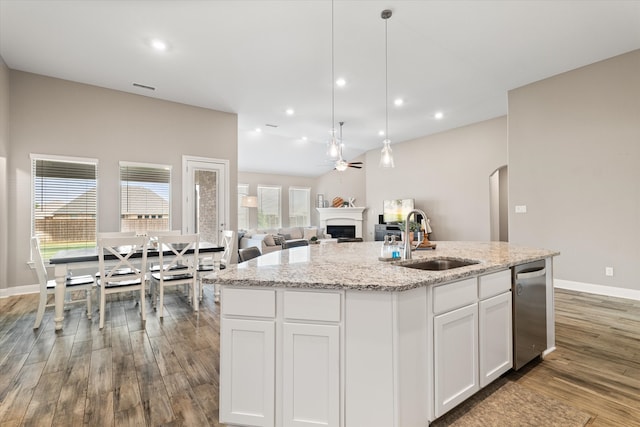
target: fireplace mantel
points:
(342, 216)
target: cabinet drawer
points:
(248, 302)
(494, 283)
(322, 306)
(455, 295)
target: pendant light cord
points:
(386, 81)
(332, 76)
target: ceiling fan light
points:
(386, 155)
(341, 166)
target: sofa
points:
(275, 239)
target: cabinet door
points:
(247, 372)
(311, 375)
(455, 357)
(496, 349)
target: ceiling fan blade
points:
(356, 163)
(356, 167)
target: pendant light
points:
(341, 164)
(386, 155)
(333, 149)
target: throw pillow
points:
(296, 233)
(268, 240)
(278, 239)
(286, 236)
(310, 232)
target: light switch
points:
(608, 271)
(521, 209)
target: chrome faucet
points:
(407, 245)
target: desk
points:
(65, 260)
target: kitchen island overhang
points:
(356, 340)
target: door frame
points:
(218, 165)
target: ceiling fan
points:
(341, 164)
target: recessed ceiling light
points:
(158, 44)
(258, 130)
(398, 102)
(341, 82)
(290, 111)
(304, 138)
(438, 115)
(381, 133)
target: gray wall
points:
(349, 183)
(574, 156)
(4, 151)
(52, 116)
(284, 181)
(448, 176)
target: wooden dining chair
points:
(48, 287)
(123, 265)
(177, 266)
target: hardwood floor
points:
(167, 373)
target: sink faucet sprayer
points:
(407, 245)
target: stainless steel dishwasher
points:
(529, 290)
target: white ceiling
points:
(258, 58)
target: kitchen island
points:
(330, 335)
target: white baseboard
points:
(19, 290)
(609, 291)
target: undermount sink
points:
(439, 264)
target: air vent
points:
(144, 86)
(271, 126)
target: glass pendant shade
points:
(333, 147)
(386, 155)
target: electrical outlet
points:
(521, 209)
(608, 271)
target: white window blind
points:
(145, 197)
(299, 207)
(64, 205)
(243, 212)
(269, 207)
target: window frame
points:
(124, 163)
(279, 204)
(243, 209)
(308, 190)
(33, 157)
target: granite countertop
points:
(355, 266)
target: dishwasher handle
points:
(531, 274)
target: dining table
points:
(66, 260)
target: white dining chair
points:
(206, 268)
(177, 266)
(123, 265)
(48, 287)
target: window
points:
(243, 212)
(64, 206)
(269, 207)
(299, 207)
(145, 200)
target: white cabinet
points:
(496, 349)
(311, 375)
(247, 372)
(455, 357)
(496, 338)
(280, 361)
(473, 344)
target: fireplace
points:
(342, 217)
(338, 231)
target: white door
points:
(456, 357)
(205, 197)
(311, 375)
(496, 349)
